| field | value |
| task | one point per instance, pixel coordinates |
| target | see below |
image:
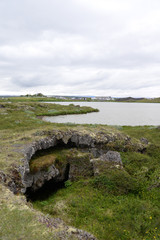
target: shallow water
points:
(112, 113)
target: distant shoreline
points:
(78, 99)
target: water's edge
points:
(112, 113)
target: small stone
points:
(144, 140)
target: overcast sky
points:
(80, 47)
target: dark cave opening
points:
(53, 185)
(49, 187)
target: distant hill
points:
(143, 100)
(129, 99)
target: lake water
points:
(112, 113)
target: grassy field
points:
(116, 205)
(18, 114)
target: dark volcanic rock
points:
(97, 143)
(64, 232)
(94, 144)
(3, 177)
(80, 166)
(2, 106)
(110, 160)
(144, 140)
(39, 178)
(112, 157)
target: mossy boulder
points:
(80, 166)
(110, 160)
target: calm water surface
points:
(110, 113)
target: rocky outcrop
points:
(2, 106)
(144, 140)
(3, 177)
(38, 179)
(112, 157)
(80, 166)
(96, 143)
(110, 160)
(11, 180)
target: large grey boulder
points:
(110, 160)
(112, 157)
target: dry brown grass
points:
(42, 163)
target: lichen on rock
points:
(110, 160)
(97, 144)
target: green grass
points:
(16, 115)
(52, 99)
(117, 204)
(19, 221)
(152, 133)
(107, 216)
(154, 100)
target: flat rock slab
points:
(112, 157)
(110, 160)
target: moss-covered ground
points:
(16, 115)
(117, 204)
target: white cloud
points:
(91, 47)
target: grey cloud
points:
(26, 82)
(82, 46)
